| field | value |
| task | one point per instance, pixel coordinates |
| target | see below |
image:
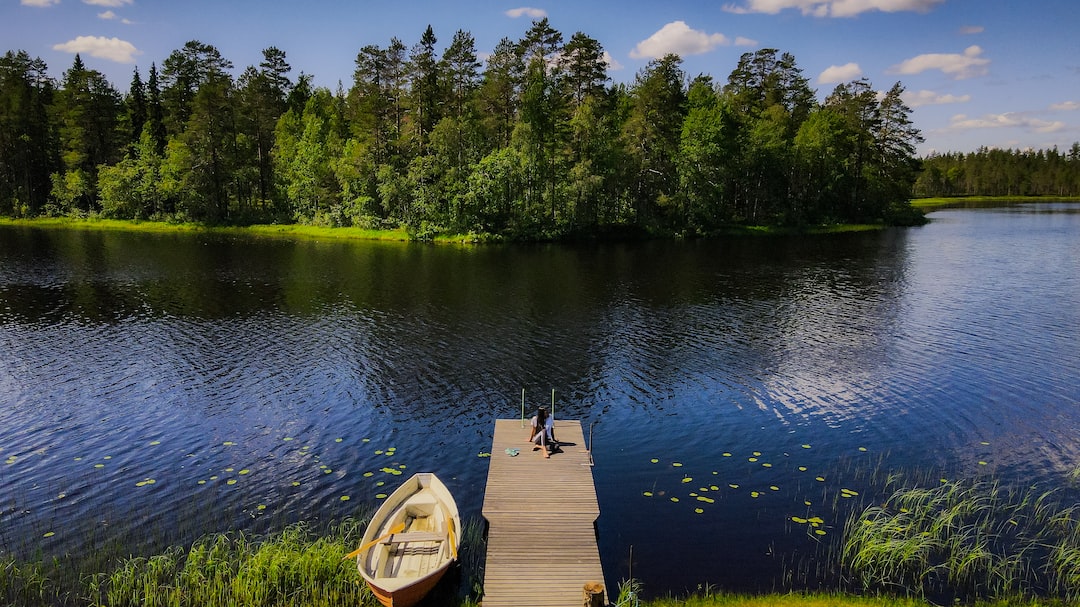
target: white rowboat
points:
(411, 541)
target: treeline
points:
(533, 143)
(995, 172)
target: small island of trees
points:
(536, 142)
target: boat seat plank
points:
(414, 536)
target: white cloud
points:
(959, 66)
(968, 30)
(832, 8)
(920, 98)
(113, 49)
(109, 3)
(524, 11)
(840, 73)
(612, 64)
(1066, 106)
(960, 122)
(742, 41)
(39, 3)
(677, 37)
(107, 15)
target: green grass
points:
(295, 566)
(353, 233)
(288, 230)
(820, 600)
(970, 539)
(976, 201)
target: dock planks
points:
(541, 544)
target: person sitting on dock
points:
(542, 430)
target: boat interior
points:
(420, 548)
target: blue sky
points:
(992, 73)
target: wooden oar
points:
(450, 538)
(395, 529)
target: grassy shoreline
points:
(929, 204)
(310, 232)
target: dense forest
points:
(535, 142)
(988, 172)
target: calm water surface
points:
(258, 382)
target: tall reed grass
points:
(295, 566)
(968, 540)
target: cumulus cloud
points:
(108, 3)
(113, 49)
(840, 73)
(961, 122)
(677, 37)
(831, 8)
(743, 41)
(107, 15)
(612, 64)
(1066, 106)
(957, 65)
(920, 98)
(525, 11)
(968, 30)
(39, 3)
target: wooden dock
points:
(541, 543)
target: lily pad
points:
(344, 498)
(647, 494)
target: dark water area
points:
(261, 381)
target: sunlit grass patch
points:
(976, 539)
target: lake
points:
(157, 387)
